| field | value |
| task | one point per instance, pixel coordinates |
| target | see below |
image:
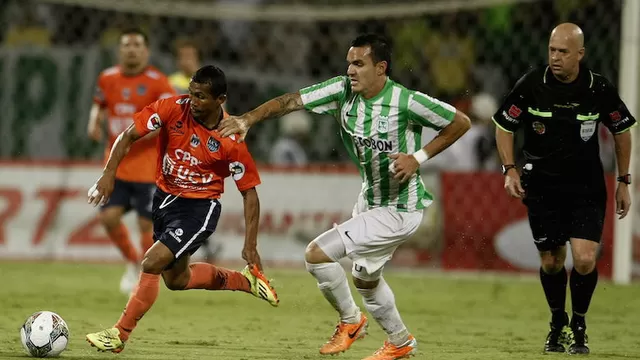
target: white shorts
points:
(369, 238)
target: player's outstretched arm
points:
(275, 107)
(101, 190)
(251, 204)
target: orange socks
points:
(203, 276)
(211, 277)
(141, 300)
(147, 241)
(120, 237)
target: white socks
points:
(381, 304)
(333, 284)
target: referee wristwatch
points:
(506, 168)
(625, 179)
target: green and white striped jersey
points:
(372, 129)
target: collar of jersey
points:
(386, 87)
(548, 77)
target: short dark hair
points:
(212, 76)
(135, 31)
(380, 48)
(184, 43)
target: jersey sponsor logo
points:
(181, 172)
(195, 140)
(539, 127)
(383, 124)
(615, 116)
(587, 129)
(154, 122)
(123, 108)
(374, 144)
(212, 144)
(514, 111)
(176, 235)
(509, 118)
(236, 169)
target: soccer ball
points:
(44, 334)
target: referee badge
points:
(587, 129)
(539, 127)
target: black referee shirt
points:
(560, 124)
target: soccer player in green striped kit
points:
(381, 123)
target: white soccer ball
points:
(44, 334)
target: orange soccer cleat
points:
(392, 352)
(344, 336)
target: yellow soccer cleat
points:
(260, 286)
(106, 340)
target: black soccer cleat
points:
(579, 341)
(559, 334)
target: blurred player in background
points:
(193, 161)
(123, 90)
(188, 57)
(381, 122)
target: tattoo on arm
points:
(285, 104)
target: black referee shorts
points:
(555, 218)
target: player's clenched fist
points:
(403, 166)
(100, 192)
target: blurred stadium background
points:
(469, 53)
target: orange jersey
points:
(123, 96)
(193, 161)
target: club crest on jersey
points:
(195, 140)
(154, 122)
(539, 127)
(212, 144)
(587, 129)
(126, 93)
(383, 124)
(141, 90)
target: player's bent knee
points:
(156, 259)
(584, 263)
(110, 218)
(552, 261)
(145, 225)
(314, 254)
(176, 283)
(363, 284)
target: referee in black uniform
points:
(559, 107)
